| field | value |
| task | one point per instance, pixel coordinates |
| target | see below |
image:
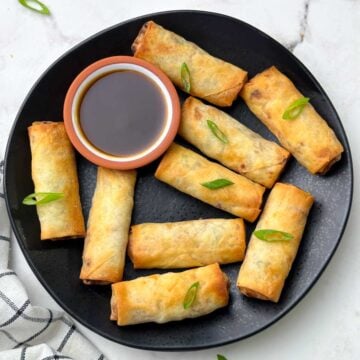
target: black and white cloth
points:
(30, 332)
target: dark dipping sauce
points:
(122, 113)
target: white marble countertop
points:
(324, 35)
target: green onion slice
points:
(191, 295)
(273, 235)
(41, 198)
(217, 132)
(35, 5)
(217, 184)
(295, 109)
(185, 77)
(221, 357)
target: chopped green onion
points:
(221, 357)
(295, 109)
(217, 184)
(185, 77)
(273, 235)
(35, 5)
(191, 295)
(41, 198)
(217, 132)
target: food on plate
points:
(170, 296)
(188, 66)
(274, 244)
(212, 183)
(187, 243)
(53, 171)
(225, 139)
(274, 99)
(244, 165)
(108, 227)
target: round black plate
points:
(57, 264)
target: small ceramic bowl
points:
(103, 67)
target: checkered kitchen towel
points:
(30, 332)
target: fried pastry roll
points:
(221, 137)
(308, 137)
(108, 227)
(209, 78)
(53, 169)
(160, 298)
(187, 243)
(267, 263)
(190, 172)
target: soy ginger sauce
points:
(122, 113)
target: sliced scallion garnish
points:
(221, 357)
(36, 6)
(42, 198)
(217, 132)
(185, 77)
(191, 295)
(273, 235)
(217, 184)
(295, 108)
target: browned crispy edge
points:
(139, 39)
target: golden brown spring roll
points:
(160, 298)
(267, 263)
(211, 79)
(187, 171)
(307, 137)
(53, 169)
(241, 150)
(187, 243)
(108, 227)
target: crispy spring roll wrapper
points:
(212, 79)
(186, 170)
(246, 152)
(267, 264)
(187, 243)
(53, 169)
(308, 137)
(160, 298)
(108, 227)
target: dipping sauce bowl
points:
(121, 112)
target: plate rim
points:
(213, 343)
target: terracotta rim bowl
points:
(84, 80)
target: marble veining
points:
(302, 28)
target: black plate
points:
(57, 264)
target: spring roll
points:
(160, 298)
(231, 143)
(187, 171)
(187, 243)
(108, 227)
(267, 263)
(307, 137)
(53, 169)
(212, 79)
